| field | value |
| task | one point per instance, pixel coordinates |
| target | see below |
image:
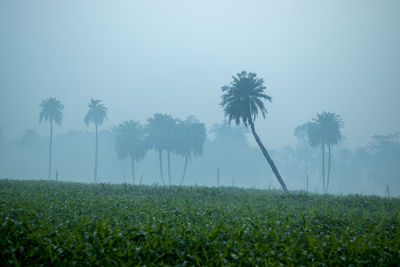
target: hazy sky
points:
(142, 57)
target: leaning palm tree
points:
(191, 135)
(242, 101)
(161, 137)
(96, 114)
(324, 130)
(52, 111)
(130, 142)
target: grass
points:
(54, 223)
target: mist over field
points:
(199, 133)
(173, 57)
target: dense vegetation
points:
(101, 224)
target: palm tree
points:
(129, 142)
(161, 136)
(242, 101)
(52, 112)
(324, 130)
(191, 135)
(96, 114)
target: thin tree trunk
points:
(161, 169)
(50, 149)
(267, 157)
(95, 155)
(323, 166)
(169, 168)
(133, 169)
(306, 167)
(184, 169)
(217, 177)
(329, 167)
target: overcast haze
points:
(142, 57)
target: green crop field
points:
(54, 223)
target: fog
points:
(173, 57)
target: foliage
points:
(324, 129)
(129, 140)
(191, 135)
(97, 112)
(161, 130)
(52, 110)
(242, 100)
(105, 225)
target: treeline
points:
(370, 169)
(243, 101)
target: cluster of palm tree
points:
(242, 100)
(52, 112)
(323, 131)
(132, 140)
(183, 138)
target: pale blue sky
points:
(143, 57)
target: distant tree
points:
(384, 167)
(161, 136)
(96, 114)
(242, 101)
(52, 112)
(303, 150)
(29, 137)
(227, 133)
(191, 135)
(324, 130)
(130, 142)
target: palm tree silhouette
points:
(191, 135)
(52, 112)
(242, 101)
(129, 142)
(96, 114)
(324, 130)
(161, 136)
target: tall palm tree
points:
(191, 135)
(161, 137)
(130, 142)
(242, 101)
(324, 130)
(96, 114)
(52, 112)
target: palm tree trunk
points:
(50, 148)
(161, 169)
(133, 169)
(95, 154)
(329, 166)
(169, 168)
(323, 166)
(267, 157)
(184, 169)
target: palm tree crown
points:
(129, 140)
(97, 112)
(325, 128)
(52, 110)
(243, 98)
